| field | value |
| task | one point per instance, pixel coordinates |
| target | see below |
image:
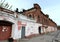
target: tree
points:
(5, 5)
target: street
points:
(49, 37)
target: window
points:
(30, 16)
(38, 16)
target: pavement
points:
(49, 37)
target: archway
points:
(5, 29)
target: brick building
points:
(58, 27)
(7, 24)
(35, 22)
(15, 25)
(36, 13)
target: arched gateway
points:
(5, 30)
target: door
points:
(23, 32)
(5, 30)
(39, 30)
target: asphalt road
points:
(50, 37)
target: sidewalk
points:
(49, 37)
(42, 38)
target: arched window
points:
(38, 16)
(30, 16)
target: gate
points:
(5, 30)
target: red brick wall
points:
(36, 13)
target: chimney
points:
(47, 15)
(16, 10)
(24, 10)
(37, 6)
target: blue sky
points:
(50, 7)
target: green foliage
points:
(5, 5)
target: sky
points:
(50, 7)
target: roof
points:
(40, 11)
(6, 10)
(26, 10)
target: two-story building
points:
(35, 12)
(28, 23)
(15, 25)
